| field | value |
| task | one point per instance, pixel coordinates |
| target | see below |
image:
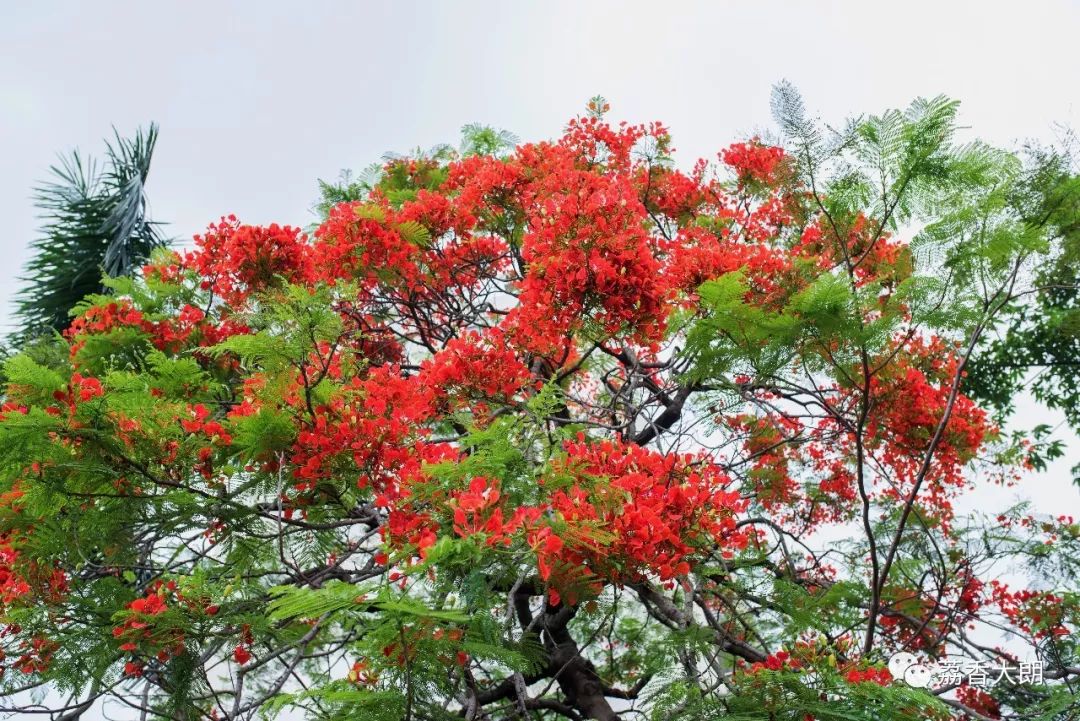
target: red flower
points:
(753, 161)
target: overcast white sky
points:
(258, 99)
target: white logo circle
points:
(901, 662)
(918, 676)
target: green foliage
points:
(477, 139)
(94, 221)
(341, 701)
(789, 696)
(348, 188)
(390, 177)
(1036, 346)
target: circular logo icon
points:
(901, 662)
(918, 676)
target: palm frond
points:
(94, 221)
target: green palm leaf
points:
(94, 221)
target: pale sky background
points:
(256, 100)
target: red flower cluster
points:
(770, 479)
(477, 510)
(870, 674)
(236, 260)
(172, 334)
(910, 399)
(979, 701)
(356, 242)
(80, 390)
(102, 319)
(22, 580)
(138, 629)
(473, 369)
(372, 431)
(630, 511)
(627, 512)
(1039, 613)
(775, 662)
(242, 652)
(35, 656)
(753, 161)
(148, 628)
(13, 585)
(600, 268)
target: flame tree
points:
(549, 431)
